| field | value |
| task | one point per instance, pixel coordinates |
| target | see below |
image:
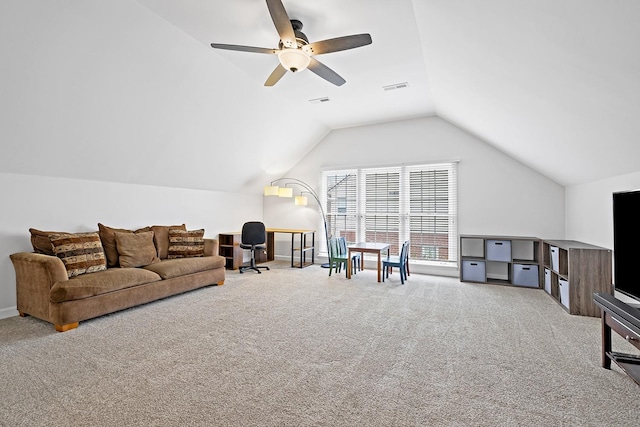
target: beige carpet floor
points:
(294, 347)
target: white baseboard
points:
(8, 312)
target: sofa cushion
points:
(107, 236)
(135, 249)
(186, 244)
(80, 252)
(110, 280)
(170, 268)
(41, 242)
(161, 237)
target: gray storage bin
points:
(526, 275)
(555, 258)
(499, 250)
(564, 292)
(547, 281)
(474, 271)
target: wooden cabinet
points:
(500, 260)
(229, 247)
(573, 272)
(625, 321)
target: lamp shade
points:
(285, 192)
(301, 201)
(271, 190)
(294, 59)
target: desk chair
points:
(254, 237)
(400, 261)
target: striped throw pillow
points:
(80, 252)
(186, 243)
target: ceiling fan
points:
(294, 51)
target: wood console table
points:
(229, 244)
(624, 320)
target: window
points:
(393, 204)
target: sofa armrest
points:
(211, 247)
(35, 275)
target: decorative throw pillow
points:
(186, 244)
(161, 237)
(136, 249)
(107, 236)
(41, 242)
(80, 252)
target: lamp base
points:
(325, 265)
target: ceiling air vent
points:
(396, 86)
(319, 100)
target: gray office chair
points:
(254, 237)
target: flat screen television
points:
(626, 243)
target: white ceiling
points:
(395, 55)
(553, 83)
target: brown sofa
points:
(72, 277)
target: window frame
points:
(440, 210)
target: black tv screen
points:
(626, 242)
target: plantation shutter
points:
(432, 212)
(381, 204)
(394, 204)
(341, 203)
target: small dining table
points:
(369, 247)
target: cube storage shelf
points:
(573, 272)
(229, 247)
(500, 260)
(570, 271)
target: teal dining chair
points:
(337, 259)
(400, 261)
(356, 262)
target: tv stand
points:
(624, 320)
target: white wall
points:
(61, 204)
(496, 194)
(123, 96)
(589, 210)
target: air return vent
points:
(396, 86)
(319, 100)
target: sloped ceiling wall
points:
(109, 91)
(553, 83)
(112, 91)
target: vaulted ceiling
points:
(553, 83)
(131, 91)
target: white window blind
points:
(340, 199)
(380, 206)
(394, 204)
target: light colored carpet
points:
(295, 347)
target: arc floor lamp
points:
(286, 190)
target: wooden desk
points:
(369, 247)
(302, 249)
(229, 244)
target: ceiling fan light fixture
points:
(294, 59)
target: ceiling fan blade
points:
(276, 75)
(338, 44)
(282, 23)
(243, 48)
(325, 72)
